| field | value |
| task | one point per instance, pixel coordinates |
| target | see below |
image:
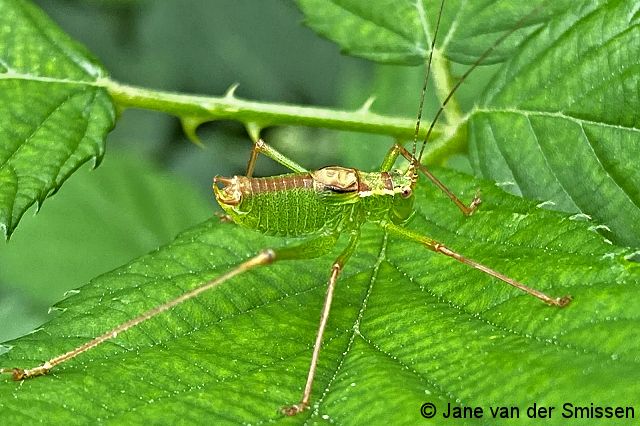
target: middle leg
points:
(336, 268)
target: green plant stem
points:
(453, 137)
(441, 68)
(199, 109)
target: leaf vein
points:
(611, 176)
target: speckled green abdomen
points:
(286, 205)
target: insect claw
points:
(474, 204)
(562, 301)
(224, 218)
(17, 374)
(292, 410)
(22, 374)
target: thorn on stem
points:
(254, 130)
(366, 106)
(231, 91)
(189, 127)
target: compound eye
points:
(406, 192)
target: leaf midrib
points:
(64, 50)
(12, 75)
(355, 327)
(578, 121)
(552, 114)
(40, 125)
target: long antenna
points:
(469, 70)
(426, 81)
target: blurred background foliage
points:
(153, 183)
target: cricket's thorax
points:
(331, 198)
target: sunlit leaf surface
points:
(52, 119)
(561, 122)
(407, 326)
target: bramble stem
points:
(229, 107)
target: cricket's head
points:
(228, 193)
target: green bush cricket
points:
(319, 206)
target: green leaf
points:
(401, 31)
(52, 116)
(561, 123)
(118, 212)
(407, 326)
